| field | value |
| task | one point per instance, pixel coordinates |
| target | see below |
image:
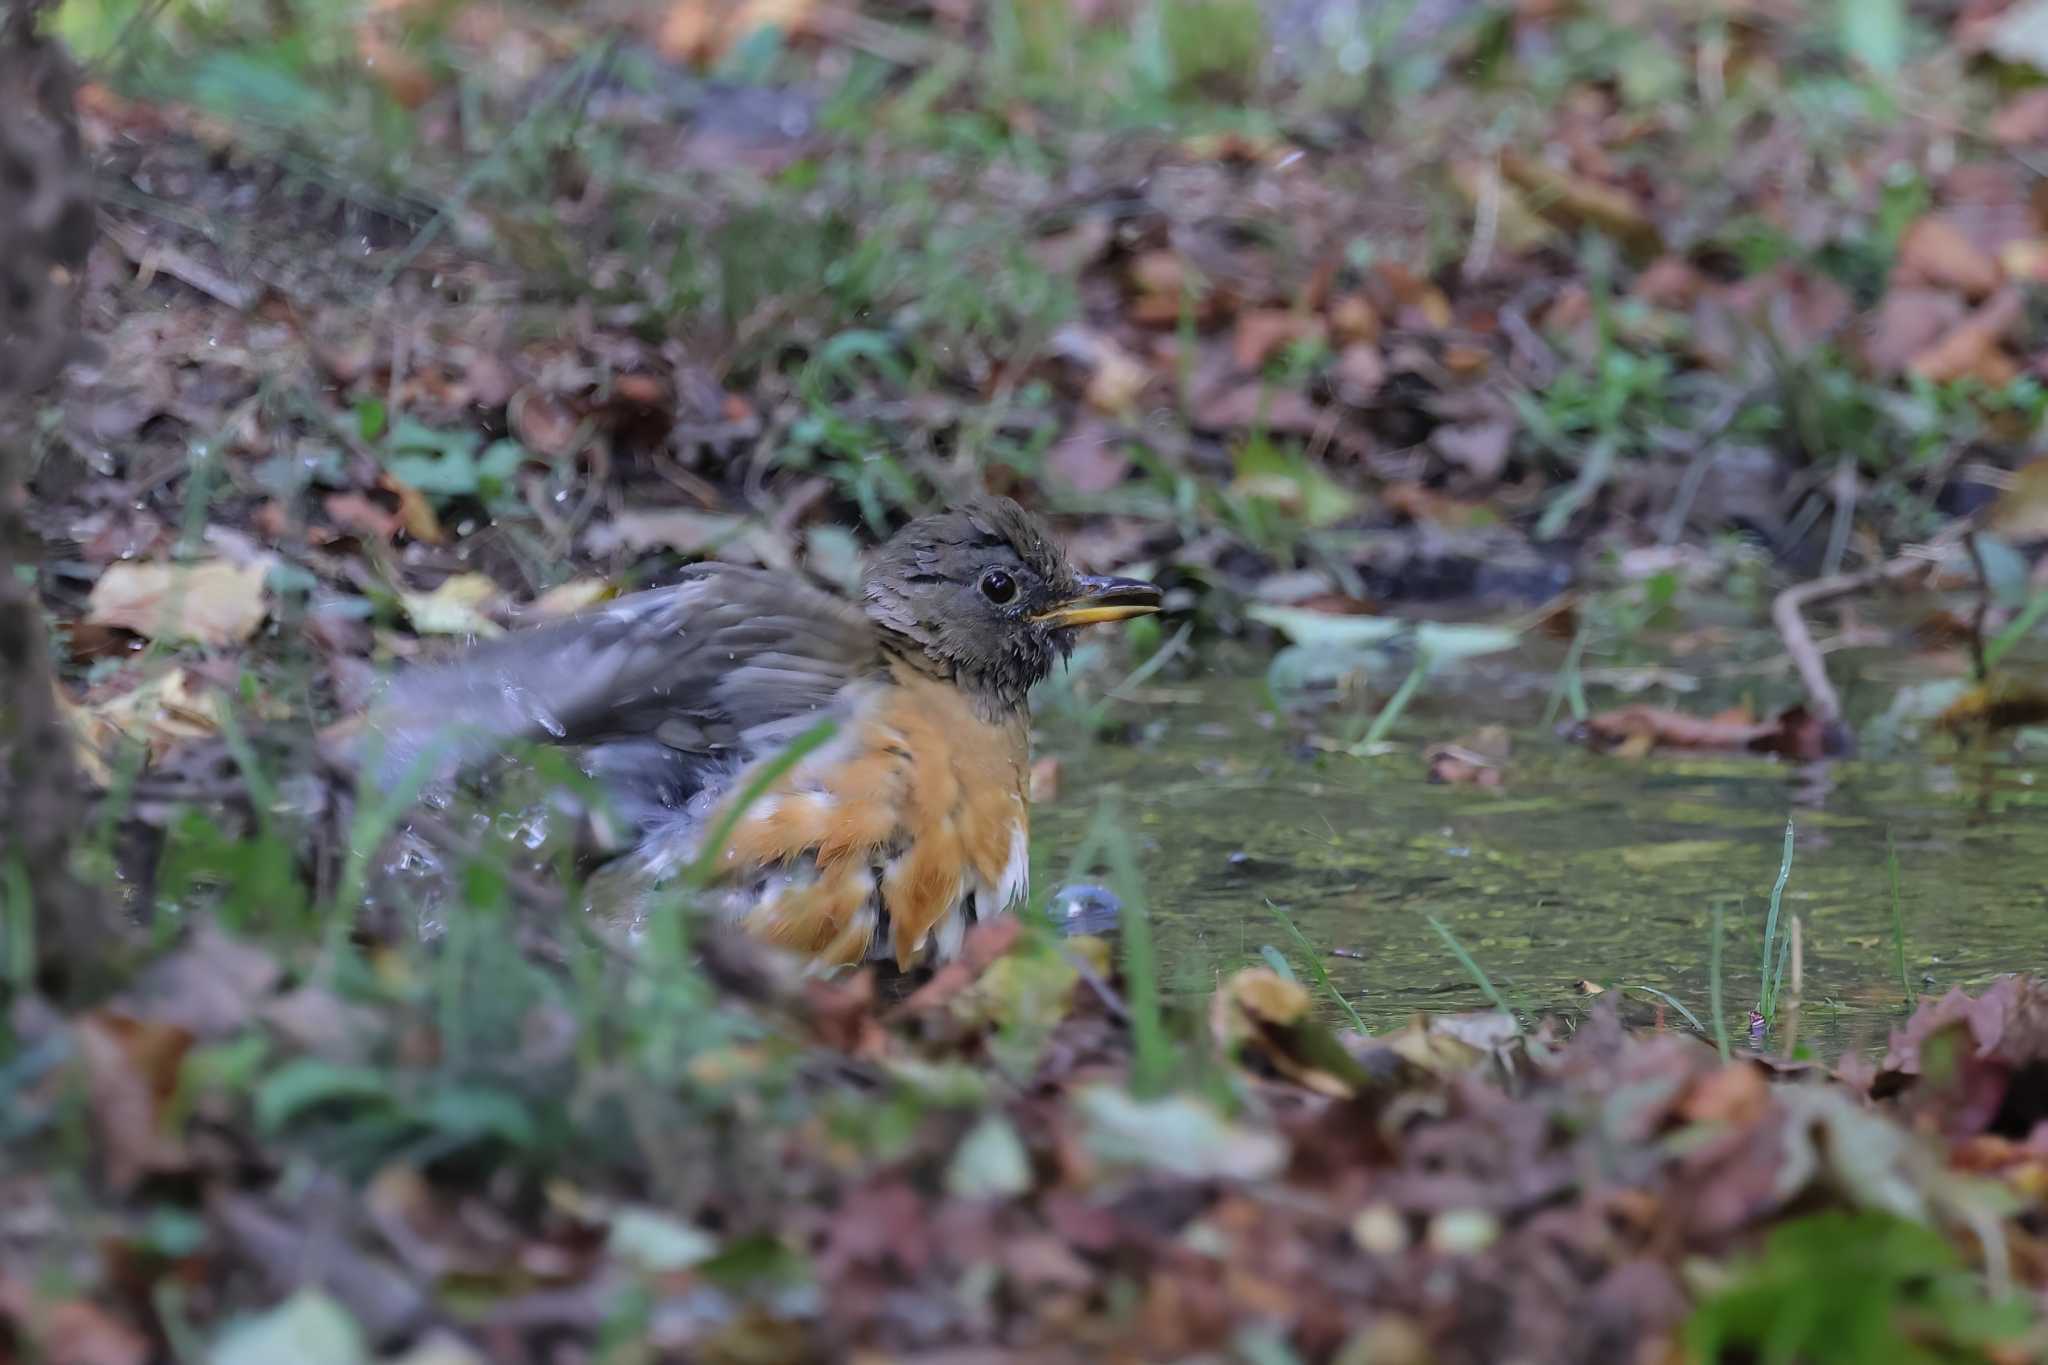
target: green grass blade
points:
(1396, 704)
(1675, 1003)
(2016, 630)
(1474, 970)
(1152, 1056)
(1715, 1000)
(1773, 968)
(1891, 863)
(1316, 968)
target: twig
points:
(150, 257)
(1787, 614)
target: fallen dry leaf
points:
(1908, 321)
(1574, 201)
(573, 596)
(1477, 759)
(173, 708)
(1092, 457)
(1116, 378)
(1934, 253)
(703, 31)
(1262, 333)
(131, 1072)
(211, 602)
(1971, 347)
(362, 516)
(456, 607)
(1633, 731)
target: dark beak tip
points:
(1133, 592)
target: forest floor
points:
(412, 321)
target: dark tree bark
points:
(46, 228)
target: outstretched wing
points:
(656, 684)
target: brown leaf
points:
(1090, 458)
(1476, 759)
(1634, 730)
(131, 1071)
(1669, 282)
(1908, 322)
(415, 513)
(1263, 333)
(704, 31)
(1575, 201)
(543, 423)
(1286, 412)
(363, 517)
(985, 942)
(68, 1331)
(1735, 1094)
(1935, 254)
(1971, 348)
(211, 602)
(1353, 319)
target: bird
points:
(883, 842)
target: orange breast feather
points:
(916, 806)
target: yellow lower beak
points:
(1103, 599)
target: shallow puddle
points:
(1581, 866)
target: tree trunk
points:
(46, 228)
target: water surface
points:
(1581, 866)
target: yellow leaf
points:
(212, 602)
(454, 608)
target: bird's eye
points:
(998, 587)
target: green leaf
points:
(308, 1082)
(1873, 33)
(991, 1162)
(658, 1243)
(1178, 1134)
(309, 1328)
(473, 1112)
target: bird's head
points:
(984, 593)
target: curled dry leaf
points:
(211, 602)
(1259, 1014)
(161, 713)
(1477, 759)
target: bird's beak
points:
(1103, 599)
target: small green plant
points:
(1848, 1288)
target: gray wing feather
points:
(664, 680)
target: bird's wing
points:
(729, 659)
